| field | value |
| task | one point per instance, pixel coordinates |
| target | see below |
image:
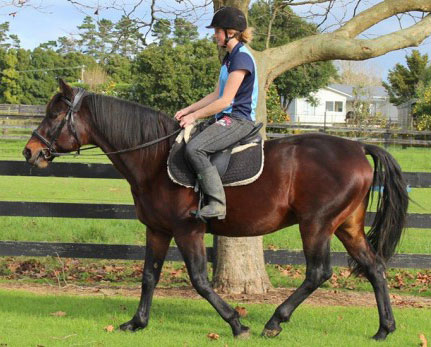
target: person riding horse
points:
(233, 105)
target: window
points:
(329, 106)
(332, 106)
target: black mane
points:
(126, 124)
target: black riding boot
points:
(210, 183)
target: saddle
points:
(239, 164)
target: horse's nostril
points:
(26, 153)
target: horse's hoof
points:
(244, 334)
(131, 326)
(384, 332)
(380, 336)
(270, 332)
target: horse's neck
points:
(137, 169)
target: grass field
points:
(28, 320)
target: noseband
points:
(74, 107)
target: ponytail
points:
(246, 36)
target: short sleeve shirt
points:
(245, 100)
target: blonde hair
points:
(246, 36)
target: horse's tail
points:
(392, 203)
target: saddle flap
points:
(221, 160)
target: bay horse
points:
(321, 182)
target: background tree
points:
(171, 77)
(105, 39)
(422, 108)
(358, 73)
(66, 45)
(9, 85)
(184, 31)
(88, 37)
(8, 40)
(405, 81)
(161, 31)
(128, 39)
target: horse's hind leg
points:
(156, 249)
(316, 242)
(193, 250)
(351, 234)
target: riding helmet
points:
(229, 18)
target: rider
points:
(232, 104)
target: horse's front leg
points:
(193, 251)
(157, 247)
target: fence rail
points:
(32, 115)
(119, 211)
(131, 252)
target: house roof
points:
(365, 93)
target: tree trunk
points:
(240, 262)
(240, 266)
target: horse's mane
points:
(126, 124)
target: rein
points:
(74, 107)
(144, 145)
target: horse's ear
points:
(65, 89)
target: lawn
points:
(60, 320)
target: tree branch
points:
(380, 12)
(331, 46)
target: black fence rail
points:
(131, 252)
(119, 211)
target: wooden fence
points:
(385, 136)
(113, 211)
(17, 122)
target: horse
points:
(321, 182)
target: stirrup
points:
(197, 215)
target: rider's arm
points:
(232, 85)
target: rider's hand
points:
(187, 120)
(181, 113)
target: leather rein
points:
(74, 106)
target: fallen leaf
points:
(213, 336)
(242, 311)
(109, 328)
(423, 339)
(58, 314)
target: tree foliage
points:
(170, 77)
(422, 109)
(405, 81)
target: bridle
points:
(69, 119)
(74, 106)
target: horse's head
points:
(61, 131)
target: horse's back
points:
(323, 170)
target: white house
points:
(336, 100)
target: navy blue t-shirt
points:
(245, 100)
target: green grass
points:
(27, 321)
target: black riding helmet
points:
(228, 18)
